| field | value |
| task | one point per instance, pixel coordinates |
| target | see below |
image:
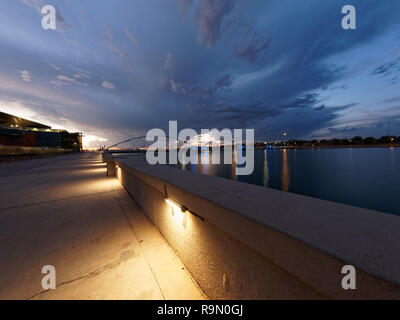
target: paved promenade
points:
(64, 211)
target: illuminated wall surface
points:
(241, 241)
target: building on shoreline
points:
(19, 132)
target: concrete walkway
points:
(63, 211)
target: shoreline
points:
(338, 147)
(288, 147)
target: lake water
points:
(363, 177)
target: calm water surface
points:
(363, 177)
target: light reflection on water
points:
(285, 172)
(266, 171)
(364, 177)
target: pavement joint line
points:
(186, 270)
(23, 171)
(94, 273)
(141, 247)
(91, 274)
(158, 245)
(109, 265)
(60, 199)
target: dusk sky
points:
(115, 69)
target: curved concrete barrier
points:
(241, 241)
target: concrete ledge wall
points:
(247, 242)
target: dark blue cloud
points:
(252, 46)
(116, 70)
(389, 71)
(224, 82)
(210, 15)
(306, 100)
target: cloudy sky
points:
(115, 69)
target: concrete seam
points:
(57, 200)
(87, 276)
(141, 248)
(169, 247)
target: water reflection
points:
(266, 172)
(392, 160)
(285, 172)
(204, 161)
(233, 167)
(194, 158)
(364, 177)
